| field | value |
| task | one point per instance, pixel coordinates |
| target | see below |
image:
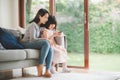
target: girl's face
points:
(44, 19)
(51, 26)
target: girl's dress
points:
(60, 53)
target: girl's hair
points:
(51, 20)
(41, 13)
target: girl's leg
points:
(53, 68)
(64, 65)
(65, 69)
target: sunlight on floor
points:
(76, 74)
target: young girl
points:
(60, 53)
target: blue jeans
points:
(46, 52)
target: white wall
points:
(9, 13)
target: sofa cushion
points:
(32, 53)
(11, 55)
(8, 40)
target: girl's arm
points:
(49, 38)
(44, 34)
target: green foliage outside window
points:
(104, 25)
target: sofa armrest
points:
(62, 41)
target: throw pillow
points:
(1, 47)
(9, 41)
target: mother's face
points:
(44, 19)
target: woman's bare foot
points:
(47, 74)
(40, 70)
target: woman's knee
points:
(46, 43)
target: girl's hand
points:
(57, 34)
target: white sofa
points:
(20, 58)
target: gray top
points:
(32, 32)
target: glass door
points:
(70, 18)
(104, 20)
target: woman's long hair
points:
(41, 13)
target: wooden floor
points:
(32, 71)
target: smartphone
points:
(60, 32)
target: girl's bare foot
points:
(66, 70)
(52, 70)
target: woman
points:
(60, 53)
(31, 40)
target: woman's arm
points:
(33, 33)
